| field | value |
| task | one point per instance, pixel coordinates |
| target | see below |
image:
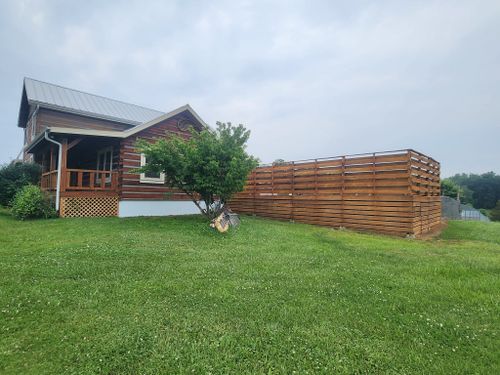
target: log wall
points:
(131, 187)
(394, 192)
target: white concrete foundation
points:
(156, 208)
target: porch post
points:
(51, 162)
(43, 162)
(64, 164)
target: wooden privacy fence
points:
(393, 192)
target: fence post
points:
(342, 193)
(413, 201)
(316, 179)
(292, 198)
(254, 193)
(373, 175)
(272, 181)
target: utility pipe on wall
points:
(59, 157)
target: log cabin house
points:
(85, 146)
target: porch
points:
(84, 180)
(89, 177)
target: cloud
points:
(309, 81)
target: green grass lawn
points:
(167, 295)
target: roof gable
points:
(185, 108)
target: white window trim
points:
(150, 180)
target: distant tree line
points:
(482, 191)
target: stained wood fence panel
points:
(394, 192)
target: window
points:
(150, 177)
(30, 130)
(104, 163)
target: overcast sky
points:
(308, 78)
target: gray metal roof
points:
(68, 100)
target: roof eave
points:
(89, 132)
(20, 123)
(82, 113)
(40, 137)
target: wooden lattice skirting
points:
(89, 206)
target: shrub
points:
(14, 176)
(495, 212)
(31, 203)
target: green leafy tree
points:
(210, 166)
(14, 176)
(466, 195)
(280, 162)
(495, 212)
(449, 188)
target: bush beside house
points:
(14, 176)
(32, 203)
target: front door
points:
(105, 162)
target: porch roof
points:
(116, 133)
